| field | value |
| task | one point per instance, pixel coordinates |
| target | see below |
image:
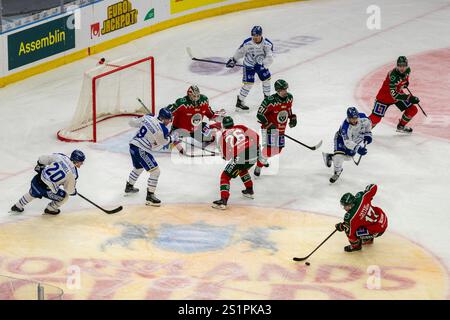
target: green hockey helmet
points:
(227, 122)
(402, 61)
(281, 85)
(347, 199)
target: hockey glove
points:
(368, 139)
(341, 226)
(362, 151)
(39, 167)
(293, 121)
(231, 63)
(413, 100)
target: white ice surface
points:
(411, 171)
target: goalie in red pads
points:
(240, 146)
(362, 221)
(188, 113)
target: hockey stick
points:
(212, 153)
(145, 107)
(189, 51)
(360, 156)
(301, 143)
(104, 210)
(304, 258)
(418, 104)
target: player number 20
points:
(54, 174)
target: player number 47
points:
(371, 216)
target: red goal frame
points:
(118, 68)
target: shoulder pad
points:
(245, 41)
(203, 97)
(362, 115)
(345, 125)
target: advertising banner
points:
(41, 41)
(177, 6)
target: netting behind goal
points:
(111, 90)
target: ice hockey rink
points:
(187, 250)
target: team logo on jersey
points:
(196, 119)
(282, 116)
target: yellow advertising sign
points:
(177, 6)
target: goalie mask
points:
(193, 93)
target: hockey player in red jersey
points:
(273, 114)
(392, 92)
(240, 146)
(362, 221)
(188, 113)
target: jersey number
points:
(54, 174)
(142, 132)
(371, 216)
(236, 138)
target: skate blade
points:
(404, 132)
(128, 194)
(219, 207)
(250, 196)
(15, 213)
(151, 204)
(242, 110)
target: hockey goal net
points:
(111, 90)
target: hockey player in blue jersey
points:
(354, 131)
(257, 52)
(152, 135)
(55, 180)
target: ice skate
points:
(152, 200)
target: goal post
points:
(111, 90)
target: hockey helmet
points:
(281, 85)
(227, 122)
(165, 113)
(193, 93)
(352, 112)
(402, 61)
(77, 156)
(347, 199)
(256, 31)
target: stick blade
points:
(299, 259)
(317, 146)
(189, 52)
(114, 210)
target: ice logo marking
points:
(259, 238)
(192, 238)
(131, 232)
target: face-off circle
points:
(190, 252)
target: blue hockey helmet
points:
(77, 156)
(165, 113)
(256, 31)
(352, 112)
